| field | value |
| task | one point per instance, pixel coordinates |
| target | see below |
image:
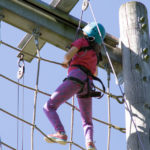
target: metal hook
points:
(21, 66)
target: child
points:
(82, 60)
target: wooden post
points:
(135, 40)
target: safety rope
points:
(36, 35)
(117, 81)
(18, 116)
(85, 5)
(109, 112)
(23, 116)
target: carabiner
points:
(85, 5)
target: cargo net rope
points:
(20, 76)
(36, 91)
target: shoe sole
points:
(51, 140)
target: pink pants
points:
(64, 92)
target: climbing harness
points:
(92, 32)
(91, 91)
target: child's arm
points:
(68, 56)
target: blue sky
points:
(51, 75)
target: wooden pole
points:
(135, 40)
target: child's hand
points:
(64, 65)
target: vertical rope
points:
(109, 112)
(20, 74)
(85, 5)
(23, 115)
(36, 35)
(18, 116)
(72, 123)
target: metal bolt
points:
(142, 19)
(146, 57)
(147, 106)
(137, 67)
(144, 78)
(145, 50)
(143, 26)
(1, 16)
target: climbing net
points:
(36, 90)
(72, 105)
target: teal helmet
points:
(92, 31)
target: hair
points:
(94, 44)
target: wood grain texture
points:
(136, 72)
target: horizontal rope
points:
(54, 62)
(115, 127)
(7, 145)
(17, 49)
(38, 129)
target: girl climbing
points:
(81, 60)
